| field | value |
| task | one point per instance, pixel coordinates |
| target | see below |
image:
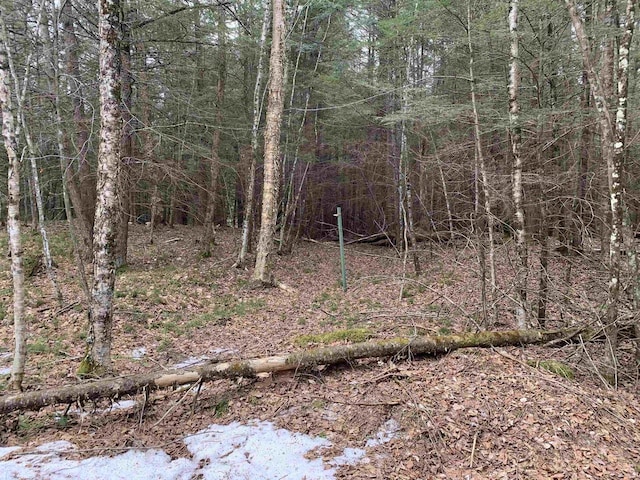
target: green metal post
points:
(343, 263)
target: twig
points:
(175, 405)
(473, 449)
(65, 308)
(390, 403)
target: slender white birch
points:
(612, 132)
(516, 172)
(257, 110)
(35, 178)
(13, 224)
(486, 191)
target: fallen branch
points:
(427, 345)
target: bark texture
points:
(249, 201)
(262, 273)
(13, 223)
(515, 133)
(486, 191)
(436, 345)
(101, 313)
(612, 131)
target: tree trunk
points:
(13, 224)
(209, 236)
(437, 345)
(245, 246)
(126, 146)
(405, 183)
(34, 179)
(262, 273)
(515, 134)
(82, 188)
(612, 133)
(98, 358)
(486, 192)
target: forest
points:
(400, 234)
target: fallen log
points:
(127, 385)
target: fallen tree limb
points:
(427, 345)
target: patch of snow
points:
(257, 451)
(5, 370)
(5, 355)
(138, 353)
(388, 431)
(120, 405)
(117, 405)
(191, 361)
(350, 456)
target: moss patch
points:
(349, 335)
(555, 367)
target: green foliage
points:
(28, 425)
(39, 346)
(221, 408)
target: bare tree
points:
(35, 177)
(612, 131)
(209, 235)
(262, 273)
(516, 175)
(248, 207)
(486, 191)
(13, 223)
(80, 183)
(98, 358)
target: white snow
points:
(387, 432)
(5, 370)
(254, 451)
(138, 353)
(190, 362)
(257, 451)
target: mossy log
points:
(127, 385)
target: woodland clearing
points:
(474, 413)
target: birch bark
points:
(257, 110)
(262, 273)
(612, 131)
(98, 357)
(516, 173)
(486, 191)
(13, 224)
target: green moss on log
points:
(348, 335)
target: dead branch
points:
(127, 385)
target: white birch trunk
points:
(98, 358)
(13, 224)
(612, 131)
(35, 179)
(515, 134)
(257, 111)
(486, 192)
(262, 273)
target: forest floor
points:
(475, 413)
